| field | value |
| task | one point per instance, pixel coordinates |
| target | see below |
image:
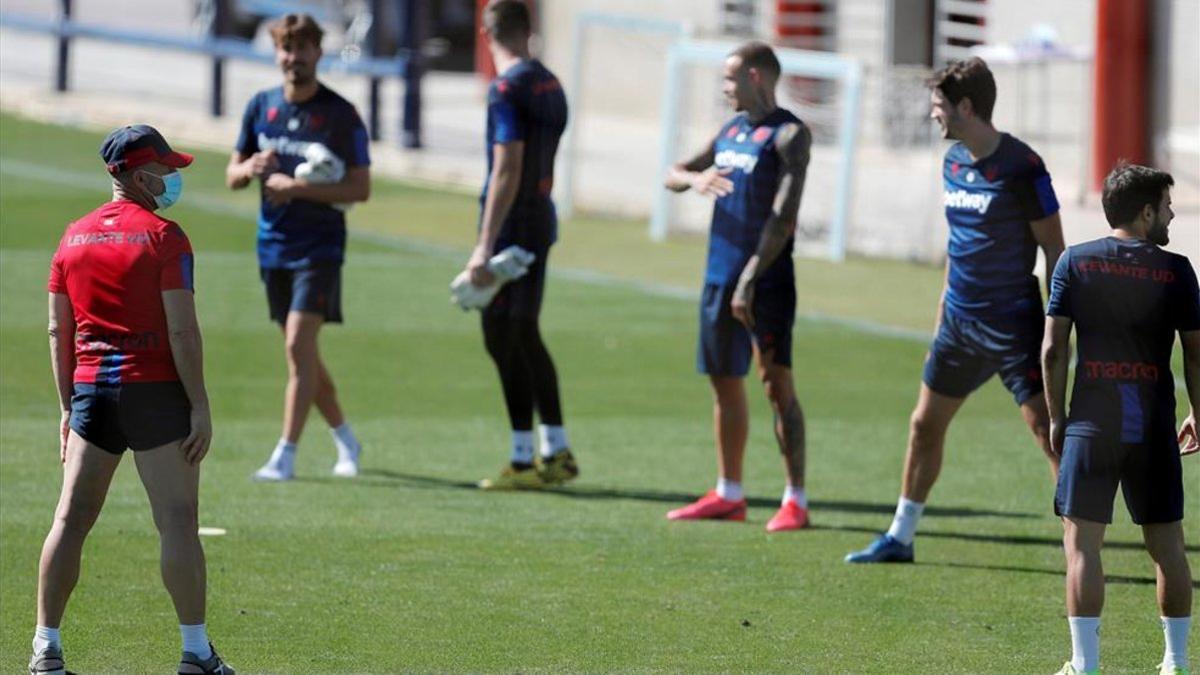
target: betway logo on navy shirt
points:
(748, 150)
(989, 204)
(301, 233)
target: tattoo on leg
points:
(789, 431)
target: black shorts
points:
(316, 289)
(1150, 475)
(967, 352)
(521, 298)
(725, 344)
(136, 415)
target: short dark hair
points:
(1130, 187)
(970, 79)
(293, 28)
(507, 20)
(758, 55)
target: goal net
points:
(644, 95)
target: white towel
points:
(511, 263)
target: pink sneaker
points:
(711, 506)
(790, 516)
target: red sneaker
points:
(790, 516)
(711, 506)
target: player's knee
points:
(1081, 541)
(922, 427)
(1166, 550)
(300, 349)
(780, 392)
(79, 514)
(176, 516)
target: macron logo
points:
(972, 201)
(728, 159)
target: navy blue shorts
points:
(316, 289)
(136, 415)
(521, 298)
(725, 343)
(967, 352)
(1150, 474)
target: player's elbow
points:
(184, 336)
(1052, 353)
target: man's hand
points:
(477, 267)
(279, 188)
(1189, 442)
(1058, 430)
(742, 303)
(195, 446)
(712, 182)
(262, 163)
(64, 432)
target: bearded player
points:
(754, 168)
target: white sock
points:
(522, 447)
(730, 490)
(904, 524)
(284, 455)
(195, 640)
(554, 439)
(795, 494)
(1085, 642)
(1175, 635)
(347, 444)
(44, 637)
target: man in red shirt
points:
(126, 353)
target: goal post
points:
(845, 72)
(585, 23)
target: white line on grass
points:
(219, 204)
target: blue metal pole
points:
(62, 82)
(218, 30)
(410, 135)
(376, 45)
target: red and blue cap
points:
(129, 147)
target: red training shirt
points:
(114, 264)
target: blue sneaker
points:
(885, 548)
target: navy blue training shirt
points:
(748, 150)
(301, 233)
(1127, 298)
(526, 103)
(989, 205)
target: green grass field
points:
(411, 568)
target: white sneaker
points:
(347, 462)
(281, 466)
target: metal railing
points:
(404, 65)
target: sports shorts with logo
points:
(316, 289)
(966, 352)
(725, 346)
(133, 415)
(1150, 475)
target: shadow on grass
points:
(1008, 539)
(390, 477)
(1108, 578)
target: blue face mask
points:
(172, 188)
